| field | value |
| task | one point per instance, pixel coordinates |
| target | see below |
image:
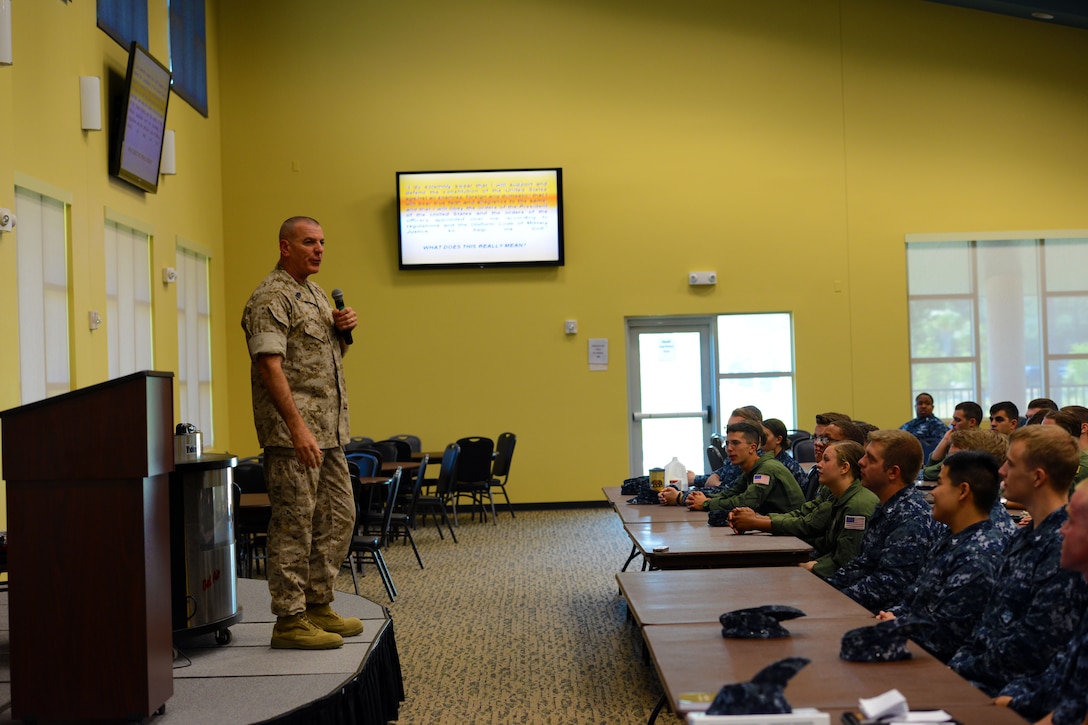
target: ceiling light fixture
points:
(1042, 16)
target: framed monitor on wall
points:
(481, 218)
(140, 121)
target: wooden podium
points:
(89, 550)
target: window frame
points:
(976, 243)
(189, 52)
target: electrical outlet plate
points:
(702, 278)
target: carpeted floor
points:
(517, 623)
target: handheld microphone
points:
(338, 299)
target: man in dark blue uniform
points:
(926, 427)
(1036, 605)
(901, 530)
(955, 582)
(1061, 687)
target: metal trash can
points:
(202, 549)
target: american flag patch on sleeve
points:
(855, 523)
(762, 479)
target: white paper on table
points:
(920, 716)
(890, 705)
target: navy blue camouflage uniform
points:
(953, 586)
(929, 431)
(896, 544)
(1000, 516)
(1060, 688)
(1031, 614)
(727, 474)
(792, 465)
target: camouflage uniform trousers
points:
(313, 516)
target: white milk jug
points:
(676, 474)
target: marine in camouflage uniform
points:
(313, 510)
(896, 544)
(953, 587)
(1031, 613)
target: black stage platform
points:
(246, 681)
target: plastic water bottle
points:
(676, 474)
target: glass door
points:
(670, 391)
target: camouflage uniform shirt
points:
(953, 587)
(293, 319)
(792, 466)
(1000, 516)
(896, 544)
(1031, 614)
(1059, 688)
(727, 474)
(929, 430)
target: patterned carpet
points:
(517, 623)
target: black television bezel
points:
(559, 261)
(121, 124)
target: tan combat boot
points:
(323, 616)
(295, 631)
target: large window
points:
(998, 318)
(760, 375)
(194, 343)
(188, 53)
(128, 299)
(42, 264)
(124, 20)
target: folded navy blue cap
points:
(882, 642)
(764, 695)
(646, 493)
(717, 518)
(758, 622)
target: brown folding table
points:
(702, 595)
(691, 545)
(695, 658)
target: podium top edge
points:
(124, 379)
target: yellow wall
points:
(41, 141)
(788, 145)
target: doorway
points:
(683, 370)
(671, 392)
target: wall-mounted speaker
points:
(90, 103)
(5, 32)
(169, 163)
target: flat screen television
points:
(140, 123)
(478, 219)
